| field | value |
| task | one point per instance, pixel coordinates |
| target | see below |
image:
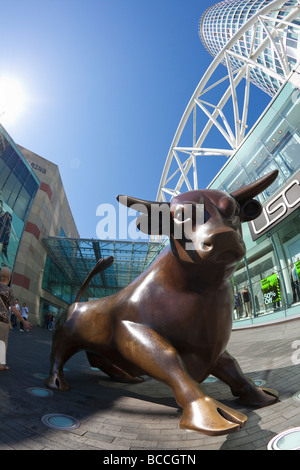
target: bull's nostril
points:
(206, 246)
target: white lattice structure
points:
(223, 20)
(221, 101)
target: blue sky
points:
(107, 83)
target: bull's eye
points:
(179, 215)
(183, 214)
(193, 213)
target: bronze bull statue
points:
(174, 321)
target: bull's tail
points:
(101, 265)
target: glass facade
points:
(70, 261)
(18, 187)
(272, 144)
(269, 274)
(222, 20)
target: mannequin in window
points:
(247, 301)
(237, 304)
(295, 282)
(5, 226)
(257, 306)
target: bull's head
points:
(203, 225)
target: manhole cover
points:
(259, 382)
(296, 396)
(210, 379)
(287, 440)
(61, 422)
(39, 392)
(38, 375)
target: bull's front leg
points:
(229, 371)
(159, 359)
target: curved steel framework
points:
(222, 90)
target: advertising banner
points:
(11, 227)
(297, 264)
(271, 289)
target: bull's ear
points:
(155, 216)
(251, 208)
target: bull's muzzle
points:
(222, 247)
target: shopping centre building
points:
(255, 43)
(258, 42)
(41, 244)
(34, 206)
(271, 268)
(269, 275)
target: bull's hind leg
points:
(229, 371)
(62, 350)
(113, 371)
(159, 359)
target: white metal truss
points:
(209, 110)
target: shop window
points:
(21, 203)
(259, 283)
(14, 194)
(9, 186)
(2, 164)
(264, 276)
(239, 281)
(289, 237)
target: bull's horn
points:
(141, 204)
(255, 188)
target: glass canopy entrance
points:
(70, 260)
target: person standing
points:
(237, 304)
(5, 227)
(247, 301)
(51, 322)
(7, 300)
(13, 316)
(25, 313)
(295, 283)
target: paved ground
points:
(122, 417)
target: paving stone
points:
(125, 417)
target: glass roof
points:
(76, 257)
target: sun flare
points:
(12, 99)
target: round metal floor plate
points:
(61, 422)
(39, 392)
(259, 382)
(296, 397)
(210, 379)
(287, 440)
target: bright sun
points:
(12, 99)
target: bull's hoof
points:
(57, 382)
(210, 417)
(258, 397)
